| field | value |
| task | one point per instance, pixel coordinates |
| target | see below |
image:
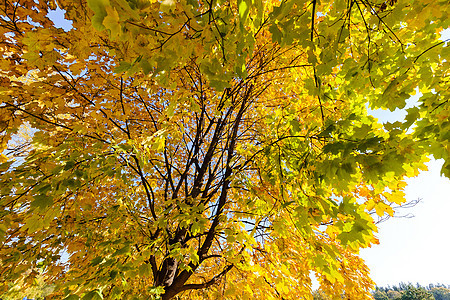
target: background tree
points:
(380, 295)
(440, 293)
(394, 295)
(416, 293)
(210, 149)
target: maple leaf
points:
(163, 149)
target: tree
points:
(394, 295)
(211, 149)
(380, 295)
(440, 293)
(419, 293)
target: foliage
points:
(380, 295)
(413, 293)
(408, 291)
(38, 291)
(214, 149)
(440, 293)
(319, 295)
(393, 295)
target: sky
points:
(415, 249)
(411, 249)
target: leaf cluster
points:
(210, 149)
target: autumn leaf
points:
(180, 149)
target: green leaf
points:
(145, 270)
(124, 250)
(411, 117)
(96, 261)
(445, 170)
(34, 223)
(111, 22)
(5, 166)
(42, 201)
(219, 85)
(146, 66)
(113, 274)
(277, 35)
(93, 295)
(99, 8)
(122, 67)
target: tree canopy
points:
(409, 291)
(211, 149)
